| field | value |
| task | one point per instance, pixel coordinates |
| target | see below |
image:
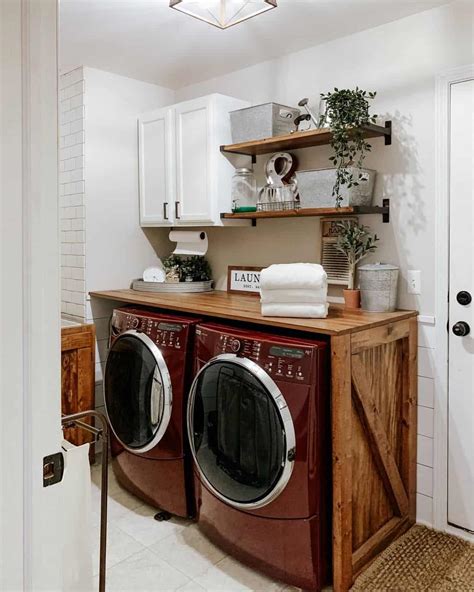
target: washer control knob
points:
(235, 345)
(461, 329)
(464, 298)
(134, 323)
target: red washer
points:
(258, 424)
(146, 382)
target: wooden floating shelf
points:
(314, 212)
(307, 139)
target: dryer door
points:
(138, 393)
(241, 432)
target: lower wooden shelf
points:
(384, 211)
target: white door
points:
(194, 201)
(156, 135)
(30, 425)
(461, 309)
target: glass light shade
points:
(223, 13)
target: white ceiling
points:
(145, 39)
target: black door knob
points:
(461, 329)
(464, 298)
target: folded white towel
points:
(293, 276)
(304, 311)
(318, 296)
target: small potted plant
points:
(187, 268)
(345, 112)
(355, 242)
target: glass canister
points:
(244, 190)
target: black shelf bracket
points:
(388, 136)
(386, 214)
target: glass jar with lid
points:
(244, 190)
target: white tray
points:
(178, 288)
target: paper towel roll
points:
(190, 242)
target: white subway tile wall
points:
(72, 194)
(426, 341)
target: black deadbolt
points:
(461, 329)
(464, 298)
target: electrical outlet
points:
(414, 281)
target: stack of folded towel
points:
(294, 290)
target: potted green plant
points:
(355, 242)
(345, 112)
(188, 268)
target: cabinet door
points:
(194, 199)
(157, 167)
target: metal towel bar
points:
(101, 433)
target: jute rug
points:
(422, 560)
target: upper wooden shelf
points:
(314, 137)
(314, 212)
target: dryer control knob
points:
(134, 323)
(235, 345)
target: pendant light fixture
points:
(223, 13)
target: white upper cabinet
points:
(156, 171)
(184, 178)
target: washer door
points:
(138, 394)
(241, 432)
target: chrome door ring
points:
(167, 392)
(286, 419)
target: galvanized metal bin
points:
(378, 287)
(315, 187)
(262, 121)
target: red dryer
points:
(147, 377)
(258, 424)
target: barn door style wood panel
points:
(78, 378)
(374, 443)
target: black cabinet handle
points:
(176, 206)
(461, 329)
(165, 210)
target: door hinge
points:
(53, 469)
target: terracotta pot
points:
(352, 299)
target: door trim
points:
(167, 391)
(440, 469)
(285, 415)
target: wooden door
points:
(157, 167)
(461, 310)
(78, 377)
(194, 201)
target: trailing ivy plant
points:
(345, 112)
(355, 242)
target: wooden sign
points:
(243, 280)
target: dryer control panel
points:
(165, 333)
(281, 359)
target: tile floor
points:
(149, 556)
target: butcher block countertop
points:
(246, 309)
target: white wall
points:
(117, 249)
(400, 61)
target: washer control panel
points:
(281, 361)
(166, 334)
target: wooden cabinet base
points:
(78, 378)
(374, 416)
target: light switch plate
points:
(414, 281)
